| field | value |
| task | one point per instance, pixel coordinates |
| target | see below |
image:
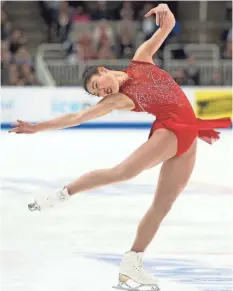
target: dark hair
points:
(87, 74)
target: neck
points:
(120, 76)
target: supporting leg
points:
(174, 176)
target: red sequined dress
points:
(154, 91)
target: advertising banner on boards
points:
(213, 103)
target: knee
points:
(162, 208)
(124, 173)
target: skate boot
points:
(133, 277)
(49, 201)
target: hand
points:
(162, 12)
(23, 127)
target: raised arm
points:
(104, 107)
(166, 20)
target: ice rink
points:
(78, 246)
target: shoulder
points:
(142, 58)
(135, 61)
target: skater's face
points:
(103, 84)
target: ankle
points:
(67, 190)
(136, 249)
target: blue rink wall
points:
(40, 104)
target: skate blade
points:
(125, 286)
(34, 206)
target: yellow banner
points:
(213, 104)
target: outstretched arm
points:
(104, 107)
(166, 20)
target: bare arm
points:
(73, 119)
(104, 107)
(166, 20)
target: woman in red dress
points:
(172, 140)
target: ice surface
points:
(79, 246)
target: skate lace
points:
(61, 197)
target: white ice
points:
(78, 246)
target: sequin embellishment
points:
(151, 85)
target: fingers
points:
(16, 129)
(162, 17)
(160, 12)
(157, 18)
(150, 12)
(14, 124)
(19, 123)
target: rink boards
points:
(41, 104)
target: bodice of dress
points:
(152, 89)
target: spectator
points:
(4, 45)
(13, 74)
(180, 77)
(5, 25)
(138, 7)
(63, 21)
(127, 11)
(31, 80)
(228, 46)
(176, 32)
(101, 33)
(99, 10)
(28, 75)
(216, 79)
(192, 72)
(105, 50)
(125, 37)
(22, 57)
(79, 15)
(113, 8)
(6, 57)
(49, 11)
(92, 8)
(148, 23)
(229, 10)
(102, 11)
(17, 39)
(125, 46)
(21, 81)
(16, 62)
(72, 52)
(84, 47)
(5, 61)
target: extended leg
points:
(174, 176)
(160, 147)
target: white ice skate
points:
(133, 277)
(48, 201)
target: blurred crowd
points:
(16, 62)
(103, 42)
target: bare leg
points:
(174, 176)
(160, 147)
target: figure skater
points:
(142, 87)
